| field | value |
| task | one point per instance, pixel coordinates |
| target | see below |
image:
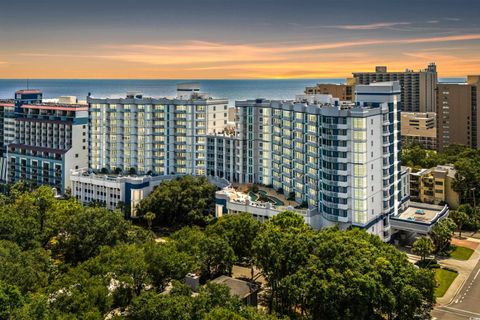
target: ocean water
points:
(229, 89)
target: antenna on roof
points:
(27, 85)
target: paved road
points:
(466, 304)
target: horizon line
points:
(209, 79)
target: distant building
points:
(344, 92)
(7, 133)
(49, 140)
(162, 136)
(434, 186)
(458, 113)
(28, 96)
(418, 87)
(419, 128)
(67, 100)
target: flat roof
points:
(420, 213)
(28, 91)
(61, 107)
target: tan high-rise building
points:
(419, 128)
(458, 113)
(344, 92)
(418, 87)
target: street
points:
(466, 304)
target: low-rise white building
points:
(116, 191)
(231, 201)
(112, 190)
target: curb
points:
(456, 292)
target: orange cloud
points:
(372, 26)
(201, 59)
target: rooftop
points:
(239, 288)
(28, 91)
(56, 106)
(421, 212)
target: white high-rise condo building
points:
(161, 136)
(333, 162)
(341, 160)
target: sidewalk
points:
(464, 268)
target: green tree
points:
(467, 178)
(166, 263)
(441, 234)
(414, 156)
(216, 257)
(354, 275)
(154, 306)
(182, 201)
(149, 217)
(460, 218)
(27, 270)
(78, 294)
(223, 314)
(423, 247)
(282, 246)
(126, 267)
(35, 307)
(19, 228)
(160, 307)
(85, 232)
(188, 239)
(472, 222)
(240, 231)
(10, 299)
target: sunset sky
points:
(228, 39)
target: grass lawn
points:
(444, 280)
(461, 253)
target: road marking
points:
(465, 311)
(476, 275)
(451, 312)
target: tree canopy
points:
(61, 260)
(186, 200)
(339, 274)
(465, 160)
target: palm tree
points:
(149, 216)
